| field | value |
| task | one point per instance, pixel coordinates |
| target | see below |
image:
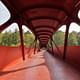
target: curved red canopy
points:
(42, 17)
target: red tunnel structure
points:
(43, 18)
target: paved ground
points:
(36, 69)
(33, 69)
(60, 70)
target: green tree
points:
(78, 38)
(28, 32)
(5, 40)
(59, 38)
(13, 38)
(28, 39)
(16, 37)
(1, 35)
(72, 40)
(10, 39)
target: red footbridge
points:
(43, 18)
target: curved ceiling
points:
(43, 17)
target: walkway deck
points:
(33, 69)
(60, 70)
(36, 69)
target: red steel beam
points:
(52, 48)
(31, 46)
(43, 17)
(66, 39)
(35, 46)
(48, 45)
(39, 47)
(45, 26)
(21, 37)
(56, 46)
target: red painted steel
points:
(72, 56)
(32, 69)
(35, 45)
(61, 70)
(56, 47)
(21, 38)
(52, 48)
(43, 18)
(66, 40)
(10, 55)
(38, 67)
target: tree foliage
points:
(13, 38)
(73, 38)
(59, 38)
(78, 38)
(28, 39)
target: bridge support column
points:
(39, 47)
(21, 38)
(31, 47)
(35, 46)
(66, 39)
(52, 47)
(56, 46)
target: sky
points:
(5, 15)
